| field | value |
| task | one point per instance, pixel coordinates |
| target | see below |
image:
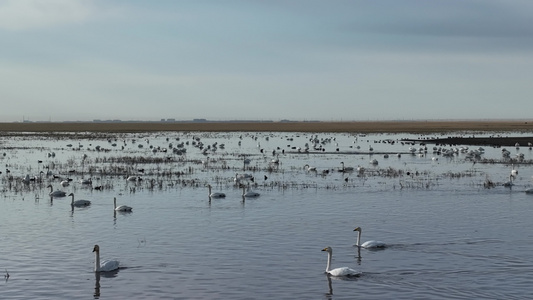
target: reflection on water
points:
(97, 276)
(448, 234)
(96, 285)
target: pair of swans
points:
(346, 271)
(83, 203)
(105, 265)
(246, 194)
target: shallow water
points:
(448, 236)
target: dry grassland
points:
(349, 127)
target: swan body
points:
(86, 181)
(345, 169)
(368, 244)
(79, 203)
(65, 183)
(57, 193)
(529, 191)
(245, 176)
(509, 183)
(105, 265)
(310, 169)
(215, 195)
(249, 194)
(133, 178)
(342, 271)
(121, 207)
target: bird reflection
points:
(359, 255)
(97, 276)
(97, 285)
(330, 288)
(330, 278)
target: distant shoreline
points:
(363, 127)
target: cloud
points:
(16, 15)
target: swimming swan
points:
(249, 194)
(215, 195)
(57, 193)
(345, 169)
(122, 207)
(367, 244)
(106, 265)
(343, 271)
(79, 203)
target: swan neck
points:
(358, 238)
(72, 202)
(115, 203)
(328, 266)
(97, 261)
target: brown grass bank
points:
(349, 127)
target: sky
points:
(302, 60)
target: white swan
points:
(368, 244)
(133, 178)
(345, 169)
(310, 169)
(249, 194)
(57, 193)
(79, 203)
(509, 183)
(342, 271)
(65, 183)
(106, 265)
(122, 207)
(215, 195)
(86, 181)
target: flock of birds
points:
(240, 180)
(99, 266)
(112, 265)
(83, 202)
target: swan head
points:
(328, 250)
(357, 229)
(71, 194)
(96, 249)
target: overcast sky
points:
(339, 60)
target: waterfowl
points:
(57, 193)
(368, 244)
(79, 203)
(342, 271)
(121, 207)
(215, 195)
(105, 265)
(249, 194)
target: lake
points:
(452, 229)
